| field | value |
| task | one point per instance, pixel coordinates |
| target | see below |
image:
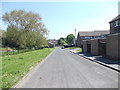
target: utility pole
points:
(48, 40)
(75, 37)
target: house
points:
(115, 25)
(113, 46)
(108, 46)
(52, 43)
(112, 42)
(87, 35)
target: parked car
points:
(62, 47)
(69, 45)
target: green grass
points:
(14, 67)
(15, 52)
(3, 49)
(72, 47)
(80, 50)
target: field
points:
(14, 67)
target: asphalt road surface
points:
(63, 69)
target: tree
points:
(2, 38)
(70, 38)
(25, 21)
(25, 29)
(22, 41)
(12, 36)
(40, 41)
(61, 41)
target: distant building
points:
(90, 35)
(115, 25)
(52, 43)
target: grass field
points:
(14, 67)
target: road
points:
(63, 69)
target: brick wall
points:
(95, 47)
(84, 46)
(79, 41)
(102, 45)
(112, 47)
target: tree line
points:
(68, 40)
(24, 30)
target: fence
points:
(16, 51)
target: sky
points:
(62, 18)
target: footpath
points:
(113, 64)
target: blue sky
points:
(62, 18)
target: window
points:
(117, 23)
(87, 37)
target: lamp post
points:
(48, 40)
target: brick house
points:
(113, 40)
(113, 46)
(52, 43)
(108, 47)
(90, 35)
(115, 25)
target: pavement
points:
(113, 64)
(63, 69)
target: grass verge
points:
(80, 50)
(72, 47)
(14, 67)
(3, 49)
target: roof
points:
(116, 18)
(94, 33)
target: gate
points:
(103, 49)
(88, 48)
